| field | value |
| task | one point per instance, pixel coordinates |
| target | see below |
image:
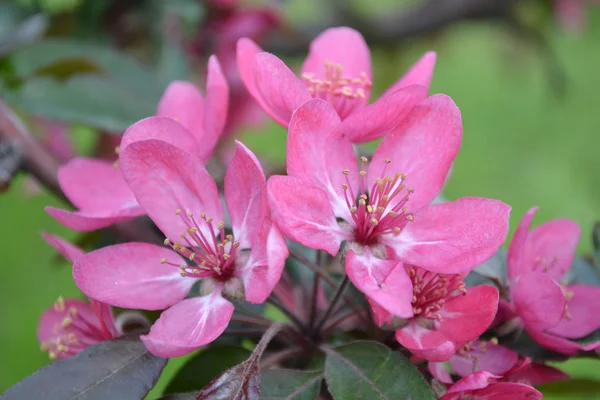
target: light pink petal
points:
(68, 250)
(425, 343)
(466, 317)
(165, 129)
(280, 90)
(550, 247)
(475, 381)
(419, 74)
(383, 116)
(538, 300)
(189, 324)
(86, 221)
(166, 179)
(106, 318)
(131, 275)
(508, 391)
(304, 215)
(318, 152)
(556, 343)
(423, 148)
(380, 315)
(538, 374)
(583, 312)
(215, 111)
(246, 50)
(439, 372)
(490, 357)
(53, 316)
(246, 196)
(384, 282)
(515, 258)
(452, 237)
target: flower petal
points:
(246, 50)
(419, 74)
(165, 179)
(490, 357)
(318, 152)
(246, 196)
(439, 372)
(385, 282)
(383, 116)
(304, 215)
(423, 148)
(215, 112)
(425, 343)
(453, 237)
(584, 312)
(166, 129)
(68, 250)
(189, 324)
(86, 221)
(466, 317)
(380, 315)
(281, 92)
(509, 391)
(538, 300)
(55, 315)
(475, 381)
(515, 258)
(538, 374)
(131, 275)
(550, 247)
(556, 343)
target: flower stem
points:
(315, 291)
(336, 297)
(299, 324)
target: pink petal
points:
(383, 116)
(516, 250)
(281, 92)
(385, 282)
(556, 343)
(131, 275)
(215, 113)
(69, 251)
(584, 312)
(490, 357)
(419, 74)
(318, 152)
(466, 317)
(380, 315)
(165, 179)
(246, 50)
(246, 195)
(304, 215)
(55, 315)
(423, 148)
(550, 247)
(508, 391)
(538, 374)
(538, 300)
(86, 221)
(161, 128)
(189, 324)
(425, 343)
(439, 372)
(475, 381)
(453, 237)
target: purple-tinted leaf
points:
(289, 384)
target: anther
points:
(410, 218)
(163, 260)
(344, 186)
(374, 221)
(364, 159)
(166, 242)
(346, 172)
(220, 225)
(387, 161)
(177, 212)
(362, 173)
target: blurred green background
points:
(524, 143)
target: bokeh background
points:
(527, 85)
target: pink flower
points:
(551, 313)
(337, 70)
(384, 211)
(182, 199)
(97, 188)
(483, 385)
(571, 13)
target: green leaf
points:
(582, 271)
(369, 370)
(201, 369)
(288, 384)
(573, 388)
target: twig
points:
(252, 321)
(338, 293)
(315, 292)
(295, 320)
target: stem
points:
(315, 292)
(299, 324)
(252, 321)
(338, 320)
(336, 297)
(276, 358)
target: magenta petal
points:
(380, 315)
(318, 152)
(439, 372)
(475, 381)
(281, 91)
(453, 237)
(304, 215)
(383, 116)
(539, 374)
(425, 343)
(385, 282)
(246, 50)
(423, 148)
(419, 74)
(215, 112)
(538, 300)
(165, 179)
(246, 196)
(583, 312)
(69, 251)
(550, 247)
(490, 357)
(509, 391)
(131, 275)
(86, 221)
(515, 258)
(189, 324)
(556, 343)
(165, 129)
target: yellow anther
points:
(166, 242)
(346, 172)
(392, 213)
(163, 260)
(236, 244)
(203, 264)
(374, 221)
(219, 245)
(344, 186)
(229, 237)
(362, 202)
(177, 212)
(494, 340)
(410, 190)
(209, 220)
(226, 256)
(192, 230)
(402, 176)
(221, 225)
(362, 173)
(387, 161)
(73, 311)
(352, 209)
(60, 304)
(397, 230)
(192, 256)
(364, 159)
(62, 348)
(190, 214)
(410, 218)
(182, 234)
(369, 209)
(202, 215)
(380, 209)
(52, 355)
(66, 322)
(117, 149)
(183, 274)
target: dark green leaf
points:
(288, 384)
(491, 271)
(369, 370)
(528, 347)
(116, 369)
(596, 236)
(582, 271)
(573, 388)
(201, 369)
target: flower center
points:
(211, 249)
(380, 210)
(431, 291)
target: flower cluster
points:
(372, 216)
